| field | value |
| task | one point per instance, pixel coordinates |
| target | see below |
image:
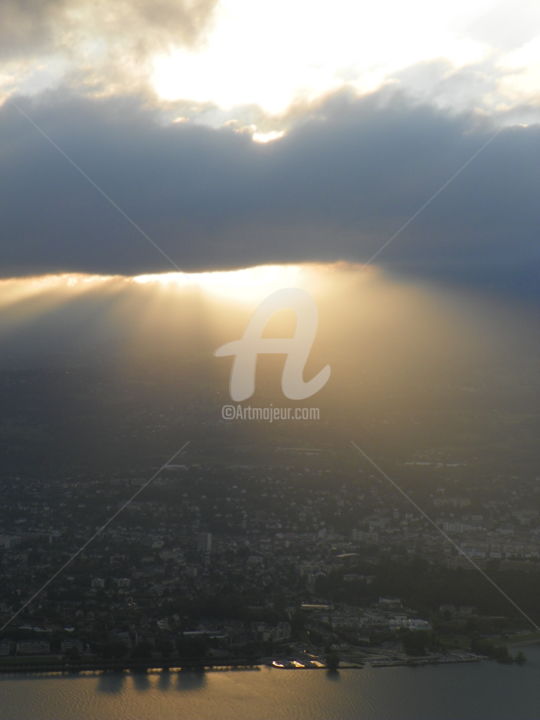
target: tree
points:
(192, 648)
(332, 660)
(520, 658)
(165, 647)
(114, 650)
(142, 651)
(415, 642)
(501, 654)
(72, 655)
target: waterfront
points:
(478, 691)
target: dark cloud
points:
(32, 27)
(336, 187)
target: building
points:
(204, 543)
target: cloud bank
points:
(40, 26)
(336, 187)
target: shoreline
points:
(256, 665)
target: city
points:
(268, 561)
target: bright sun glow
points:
(246, 285)
(272, 52)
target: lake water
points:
(482, 691)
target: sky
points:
(142, 137)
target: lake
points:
(479, 691)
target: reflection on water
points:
(481, 691)
(116, 682)
(164, 682)
(141, 681)
(111, 682)
(190, 680)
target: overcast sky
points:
(238, 133)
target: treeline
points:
(426, 586)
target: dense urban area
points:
(305, 560)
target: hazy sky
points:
(237, 133)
